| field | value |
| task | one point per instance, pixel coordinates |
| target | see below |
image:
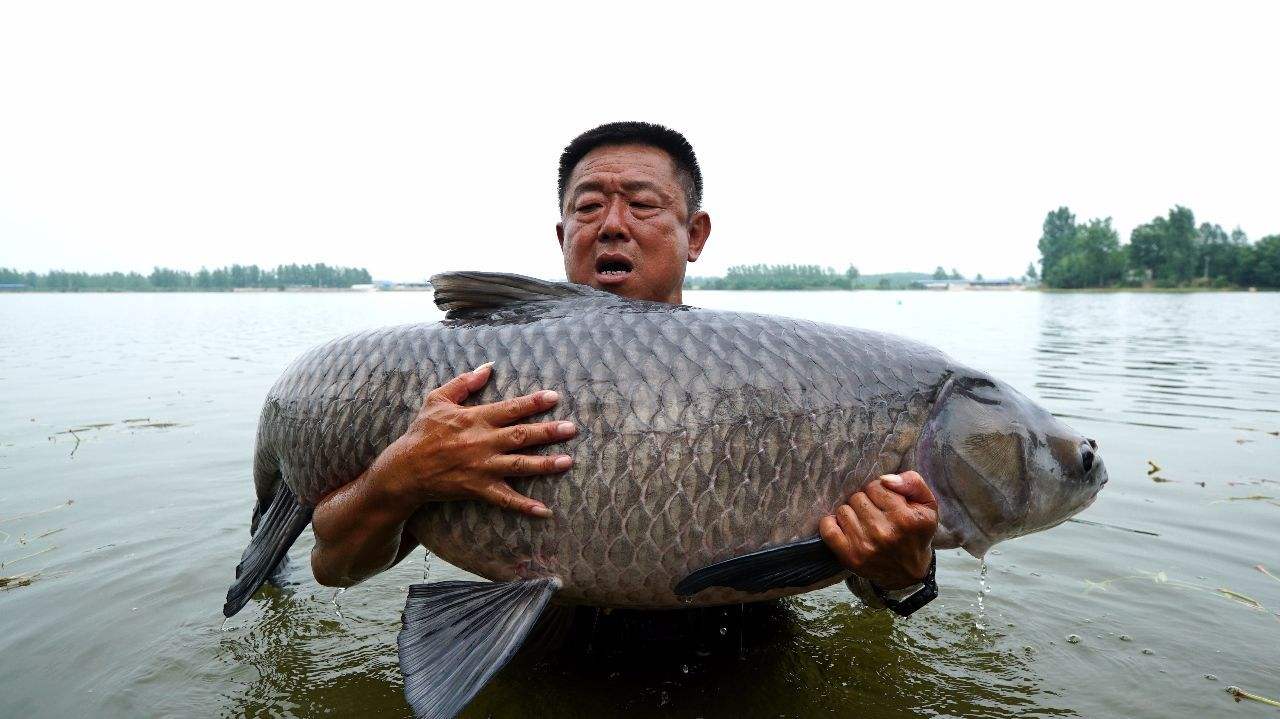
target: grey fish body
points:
(703, 435)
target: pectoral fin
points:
(798, 564)
(457, 635)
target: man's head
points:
(630, 217)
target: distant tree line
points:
(778, 277)
(165, 279)
(1168, 251)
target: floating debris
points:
(25, 580)
(137, 419)
(1211, 677)
(1112, 526)
(1239, 694)
(1162, 479)
(1073, 638)
(29, 556)
(14, 518)
(1152, 468)
(1243, 599)
(19, 580)
(1148, 652)
(1252, 497)
(1263, 569)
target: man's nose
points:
(614, 226)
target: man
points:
(630, 196)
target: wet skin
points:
(626, 228)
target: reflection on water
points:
(121, 615)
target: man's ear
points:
(560, 234)
(699, 231)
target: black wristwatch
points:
(901, 601)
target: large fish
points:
(710, 444)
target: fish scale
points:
(703, 435)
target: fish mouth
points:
(613, 268)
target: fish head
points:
(1000, 465)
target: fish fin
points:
(468, 293)
(798, 564)
(277, 529)
(457, 635)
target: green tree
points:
(1165, 248)
(1264, 263)
(939, 273)
(1031, 272)
(1057, 238)
(1088, 256)
(955, 275)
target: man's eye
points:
(592, 207)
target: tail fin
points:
(457, 635)
(275, 531)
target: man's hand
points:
(448, 452)
(456, 452)
(884, 532)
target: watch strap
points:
(922, 596)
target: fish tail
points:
(274, 530)
(456, 635)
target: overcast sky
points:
(416, 138)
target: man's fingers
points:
(507, 411)
(456, 390)
(912, 486)
(501, 494)
(853, 530)
(835, 539)
(868, 514)
(529, 435)
(529, 465)
(885, 500)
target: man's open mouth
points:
(612, 270)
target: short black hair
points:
(638, 133)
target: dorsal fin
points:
(461, 293)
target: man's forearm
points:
(359, 530)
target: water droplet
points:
(981, 621)
(724, 631)
(1073, 638)
(684, 668)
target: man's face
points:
(625, 227)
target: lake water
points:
(124, 535)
